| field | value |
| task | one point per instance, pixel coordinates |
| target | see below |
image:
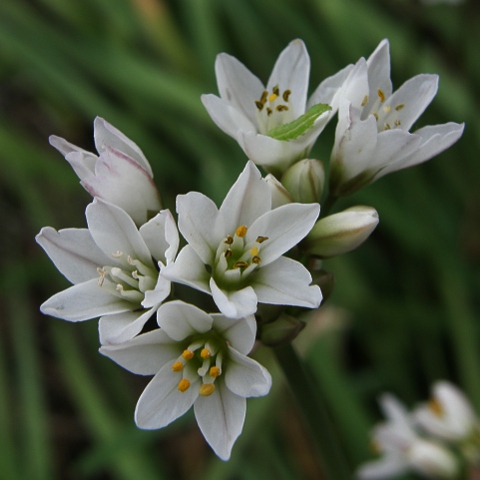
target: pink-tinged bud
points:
(305, 180)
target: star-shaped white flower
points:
(120, 174)
(197, 359)
(248, 111)
(372, 137)
(112, 268)
(235, 252)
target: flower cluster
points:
(438, 439)
(251, 254)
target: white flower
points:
(235, 253)
(372, 136)
(248, 111)
(111, 267)
(449, 415)
(403, 450)
(198, 359)
(120, 174)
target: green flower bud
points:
(304, 180)
(280, 196)
(341, 232)
(281, 331)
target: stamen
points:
(177, 366)
(240, 265)
(286, 95)
(397, 122)
(376, 116)
(206, 389)
(272, 97)
(261, 239)
(117, 254)
(387, 126)
(187, 354)
(435, 406)
(241, 231)
(119, 274)
(228, 240)
(254, 251)
(102, 274)
(281, 108)
(381, 94)
(228, 253)
(183, 385)
(205, 353)
(269, 111)
(263, 98)
(259, 105)
(214, 372)
(256, 260)
(387, 108)
(399, 107)
(131, 295)
(364, 101)
(276, 90)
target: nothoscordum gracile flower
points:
(111, 266)
(372, 137)
(403, 450)
(197, 359)
(235, 252)
(249, 112)
(120, 174)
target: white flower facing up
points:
(403, 450)
(120, 174)
(235, 252)
(197, 359)
(372, 136)
(111, 267)
(249, 112)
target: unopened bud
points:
(281, 331)
(304, 180)
(433, 460)
(280, 196)
(341, 232)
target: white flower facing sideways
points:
(372, 136)
(250, 112)
(120, 174)
(112, 268)
(403, 450)
(198, 359)
(235, 252)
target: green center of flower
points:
(273, 109)
(387, 116)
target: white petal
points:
(84, 301)
(390, 466)
(234, 304)
(114, 231)
(237, 85)
(285, 227)
(180, 320)
(379, 70)
(240, 334)
(220, 417)
(292, 71)
(158, 294)
(248, 199)
(82, 162)
(119, 328)
(106, 134)
(73, 252)
(145, 354)
(286, 282)
(246, 377)
(198, 221)
(161, 402)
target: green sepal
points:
(292, 130)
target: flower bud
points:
(280, 196)
(432, 460)
(341, 232)
(281, 331)
(304, 180)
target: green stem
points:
(315, 413)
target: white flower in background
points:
(448, 415)
(112, 268)
(197, 359)
(120, 174)
(372, 137)
(403, 450)
(235, 252)
(249, 112)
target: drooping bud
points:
(341, 232)
(304, 180)
(280, 195)
(281, 331)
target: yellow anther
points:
(276, 90)
(241, 231)
(436, 407)
(117, 254)
(397, 122)
(286, 95)
(206, 389)
(214, 372)
(177, 366)
(387, 126)
(387, 108)
(381, 94)
(187, 354)
(256, 260)
(240, 265)
(205, 353)
(269, 111)
(376, 116)
(102, 274)
(183, 385)
(281, 108)
(259, 105)
(272, 97)
(264, 96)
(228, 253)
(261, 239)
(228, 240)
(364, 101)
(399, 107)
(254, 251)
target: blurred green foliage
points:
(405, 311)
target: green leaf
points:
(292, 130)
